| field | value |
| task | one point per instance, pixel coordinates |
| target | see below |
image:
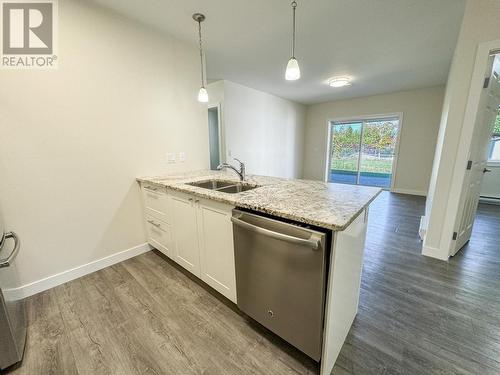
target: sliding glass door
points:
(345, 155)
(362, 152)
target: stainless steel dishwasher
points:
(281, 277)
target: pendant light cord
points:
(294, 5)
(201, 55)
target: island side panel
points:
(342, 296)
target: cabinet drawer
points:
(159, 235)
(156, 203)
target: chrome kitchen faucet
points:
(240, 172)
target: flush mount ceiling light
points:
(202, 94)
(292, 72)
(339, 82)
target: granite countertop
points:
(326, 205)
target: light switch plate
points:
(182, 157)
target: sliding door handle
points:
(313, 242)
(6, 262)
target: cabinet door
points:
(185, 232)
(216, 247)
(159, 235)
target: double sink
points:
(230, 187)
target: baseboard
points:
(433, 252)
(409, 191)
(74, 273)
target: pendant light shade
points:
(292, 72)
(202, 94)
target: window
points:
(362, 151)
(494, 149)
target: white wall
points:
(421, 112)
(480, 25)
(263, 130)
(74, 139)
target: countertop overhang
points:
(326, 205)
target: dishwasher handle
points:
(313, 242)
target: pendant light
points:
(202, 94)
(292, 72)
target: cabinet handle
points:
(196, 201)
(190, 199)
(153, 223)
(6, 262)
(150, 188)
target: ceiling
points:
(385, 45)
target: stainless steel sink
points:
(238, 188)
(213, 184)
(229, 187)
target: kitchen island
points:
(190, 220)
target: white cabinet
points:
(202, 240)
(196, 233)
(215, 233)
(157, 218)
(185, 229)
(159, 235)
(156, 202)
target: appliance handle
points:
(312, 242)
(6, 262)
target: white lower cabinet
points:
(185, 231)
(156, 202)
(215, 233)
(159, 235)
(203, 235)
(157, 219)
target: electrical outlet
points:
(170, 157)
(182, 157)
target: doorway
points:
(363, 151)
(214, 136)
(490, 186)
(481, 156)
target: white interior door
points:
(483, 130)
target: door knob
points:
(486, 170)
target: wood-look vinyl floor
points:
(417, 315)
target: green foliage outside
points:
(367, 165)
(497, 124)
(379, 140)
